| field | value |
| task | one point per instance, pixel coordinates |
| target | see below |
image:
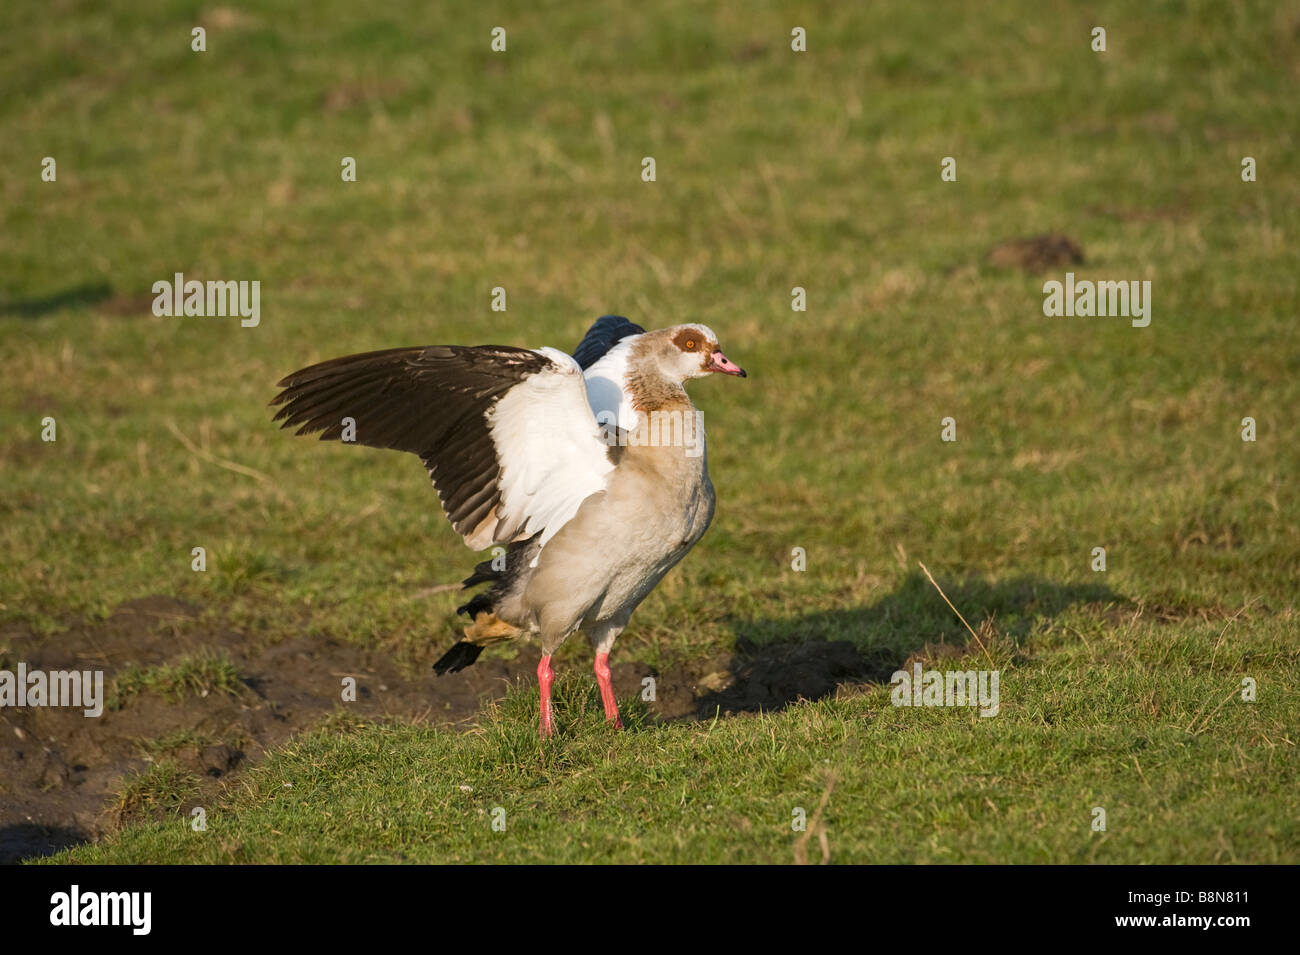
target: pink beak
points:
(720, 362)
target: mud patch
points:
(1036, 254)
(60, 771)
(67, 779)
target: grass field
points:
(775, 169)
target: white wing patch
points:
(607, 391)
(550, 448)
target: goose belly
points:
(649, 548)
(614, 552)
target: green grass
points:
(775, 170)
(1180, 780)
(191, 675)
(168, 743)
(162, 787)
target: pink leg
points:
(545, 677)
(607, 689)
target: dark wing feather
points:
(607, 332)
(432, 402)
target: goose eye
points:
(690, 344)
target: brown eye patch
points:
(687, 340)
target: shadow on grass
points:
(778, 662)
(85, 294)
(32, 841)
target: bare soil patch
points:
(60, 771)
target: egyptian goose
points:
(588, 471)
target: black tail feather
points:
(484, 573)
(458, 657)
(479, 603)
(517, 561)
(518, 558)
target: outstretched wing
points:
(506, 434)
